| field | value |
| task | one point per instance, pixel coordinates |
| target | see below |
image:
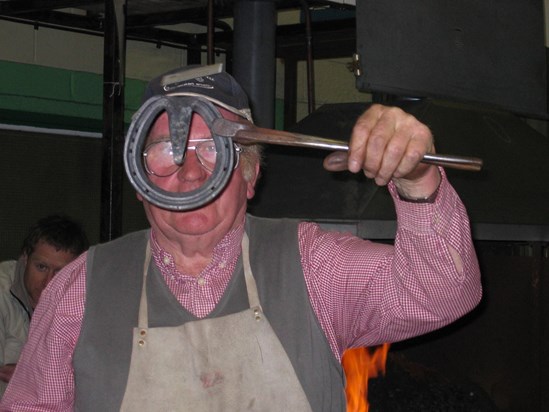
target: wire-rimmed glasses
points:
(159, 161)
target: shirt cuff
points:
(426, 217)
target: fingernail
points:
(354, 166)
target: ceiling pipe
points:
(254, 63)
(311, 104)
(210, 53)
(112, 170)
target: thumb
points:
(336, 162)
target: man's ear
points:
(24, 258)
(252, 182)
(139, 197)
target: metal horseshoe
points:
(179, 110)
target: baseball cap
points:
(209, 82)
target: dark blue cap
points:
(209, 82)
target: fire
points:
(360, 364)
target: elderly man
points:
(50, 244)
(215, 310)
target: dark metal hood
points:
(507, 200)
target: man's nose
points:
(51, 273)
(191, 169)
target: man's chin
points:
(196, 222)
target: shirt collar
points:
(225, 254)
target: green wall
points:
(44, 173)
(41, 96)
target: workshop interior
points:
(73, 73)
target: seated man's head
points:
(51, 243)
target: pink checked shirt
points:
(363, 293)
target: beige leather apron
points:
(230, 363)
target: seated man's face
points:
(41, 265)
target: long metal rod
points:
(210, 33)
(311, 103)
(112, 167)
(249, 134)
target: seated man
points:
(50, 244)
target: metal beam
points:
(113, 120)
(59, 20)
(14, 7)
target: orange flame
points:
(360, 364)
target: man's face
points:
(212, 221)
(40, 267)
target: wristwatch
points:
(429, 199)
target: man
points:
(214, 309)
(50, 244)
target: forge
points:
(412, 387)
(499, 351)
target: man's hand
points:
(6, 372)
(388, 144)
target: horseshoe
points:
(179, 110)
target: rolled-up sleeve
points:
(43, 379)
(366, 293)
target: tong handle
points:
(249, 134)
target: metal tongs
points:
(246, 133)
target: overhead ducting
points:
(507, 200)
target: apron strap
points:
(251, 287)
(143, 322)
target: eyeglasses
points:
(159, 161)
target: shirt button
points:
(166, 260)
(222, 265)
(201, 281)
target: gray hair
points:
(251, 156)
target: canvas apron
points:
(231, 363)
